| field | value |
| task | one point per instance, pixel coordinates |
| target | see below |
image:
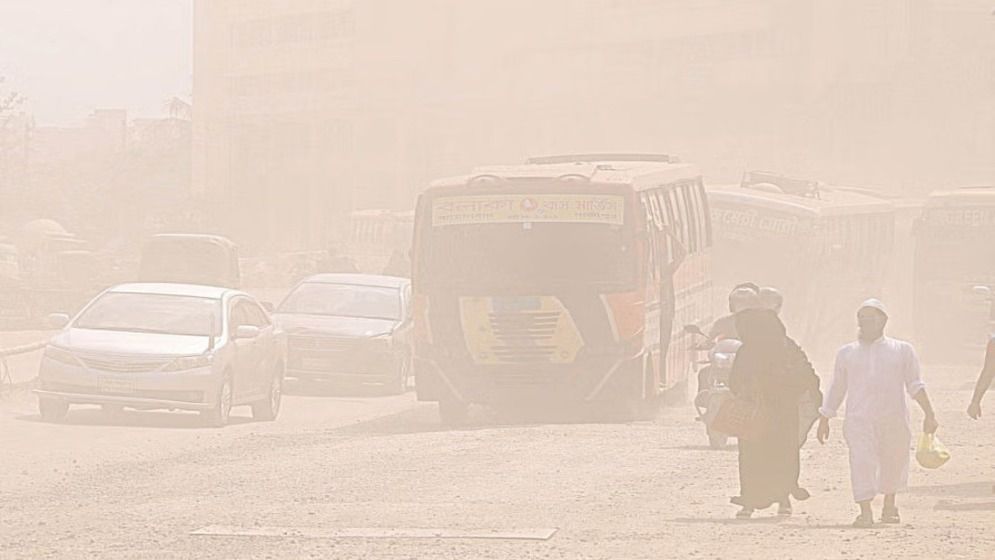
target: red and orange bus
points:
(561, 279)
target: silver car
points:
(349, 329)
(165, 346)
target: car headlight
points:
(60, 355)
(185, 363)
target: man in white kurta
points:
(874, 374)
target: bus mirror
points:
(693, 329)
(983, 291)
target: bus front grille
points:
(524, 337)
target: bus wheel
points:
(453, 412)
(676, 395)
(717, 440)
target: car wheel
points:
(399, 384)
(267, 409)
(217, 417)
(453, 412)
(53, 410)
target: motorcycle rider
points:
(743, 296)
(771, 298)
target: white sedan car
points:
(165, 346)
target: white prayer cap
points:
(874, 303)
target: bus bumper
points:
(609, 380)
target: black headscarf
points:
(769, 361)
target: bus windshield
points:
(535, 255)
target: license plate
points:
(315, 364)
(117, 385)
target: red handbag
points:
(742, 418)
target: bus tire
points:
(453, 412)
(649, 404)
(717, 440)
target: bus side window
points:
(651, 236)
(704, 220)
(681, 212)
(691, 217)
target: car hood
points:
(334, 326)
(122, 342)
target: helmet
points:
(742, 298)
(771, 298)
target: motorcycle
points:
(713, 382)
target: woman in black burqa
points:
(772, 368)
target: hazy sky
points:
(71, 56)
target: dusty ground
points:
(137, 486)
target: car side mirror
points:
(57, 320)
(983, 291)
(268, 306)
(246, 332)
(693, 329)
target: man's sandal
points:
(890, 516)
(745, 513)
(863, 521)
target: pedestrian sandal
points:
(890, 516)
(863, 522)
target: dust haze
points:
(519, 279)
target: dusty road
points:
(138, 485)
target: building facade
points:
(307, 109)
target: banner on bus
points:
(961, 217)
(526, 208)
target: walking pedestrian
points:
(772, 370)
(873, 375)
(984, 381)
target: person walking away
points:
(771, 298)
(773, 370)
(398, 265)
(335, 261)
(743, 296)
(984, 380)
(873, 375)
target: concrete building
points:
(306, 109)
(274, 102)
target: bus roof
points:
(830, 202)
(965, 196)
(620, 170)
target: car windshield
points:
(343, 300)
(153, 313)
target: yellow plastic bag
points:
(931, 453)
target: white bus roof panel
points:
(831, 203)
